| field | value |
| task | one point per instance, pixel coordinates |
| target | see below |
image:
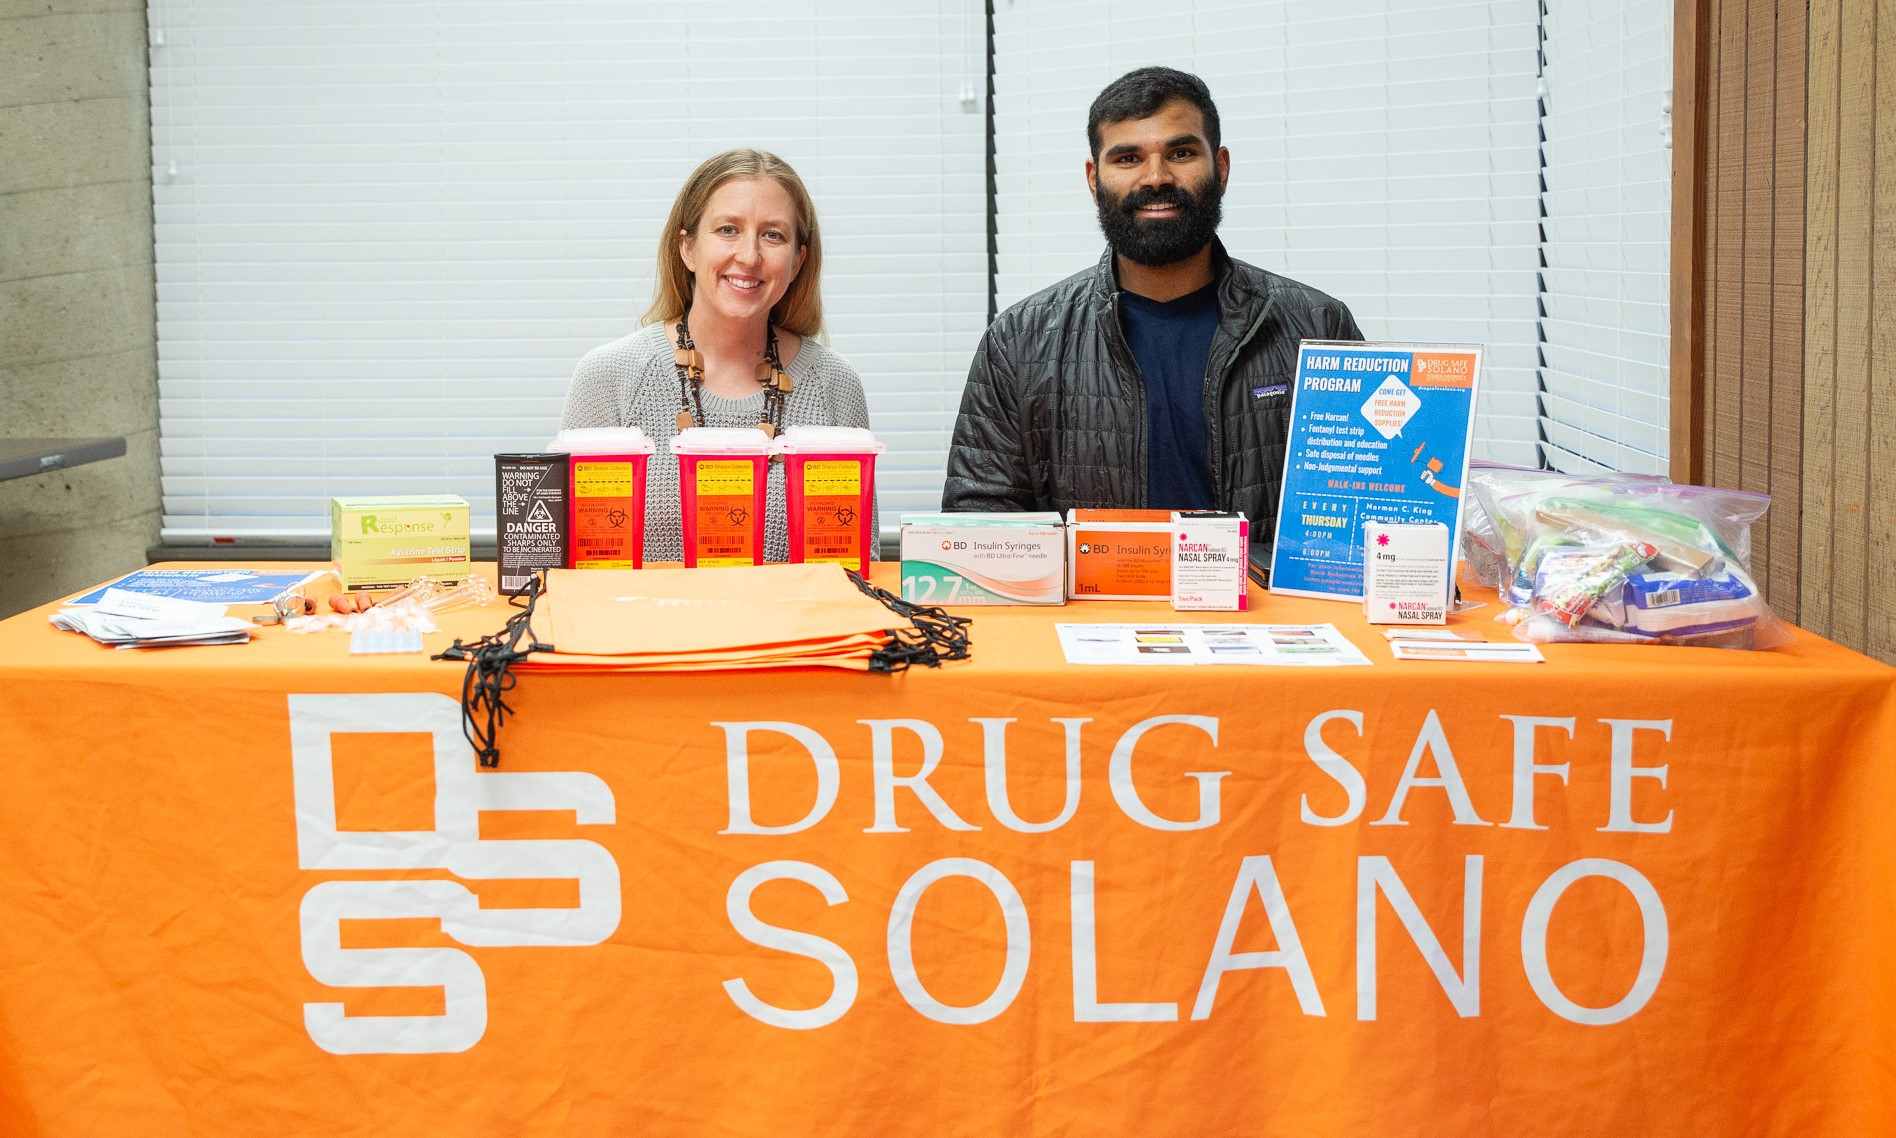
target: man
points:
(1160, 377)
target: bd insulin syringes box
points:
(958, 558)
(1119, 555)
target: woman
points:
(739, 262)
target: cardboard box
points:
(382, 542)
(1210, 555)
(984, 559)
(1119, 555)
(1405, 572)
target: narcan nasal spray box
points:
(957, 558)
(1208, 561)
(381, 542)
(530, 504)
(1119, 555)
(1405, 572)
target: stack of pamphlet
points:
(136, 620)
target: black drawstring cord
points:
(490, 677)
(932, 637)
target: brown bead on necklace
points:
(690, 364)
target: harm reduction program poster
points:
(1378, 432)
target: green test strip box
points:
(380, 542)
(960, 558)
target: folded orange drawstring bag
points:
(737, 618)
(760, 610)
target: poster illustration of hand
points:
(1378, 432)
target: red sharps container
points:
(722, 473)
(829, 478)
(606, 501)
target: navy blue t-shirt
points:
(1171, 340)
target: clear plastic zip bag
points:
(1634, 562)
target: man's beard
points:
(1158, 242)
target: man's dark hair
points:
(1139, 94)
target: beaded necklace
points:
(690, 364)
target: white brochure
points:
(1173, 644)
(1467, 652)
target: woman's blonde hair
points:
(801, 308)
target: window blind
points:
(387, 229)
(1382, 150)
(1604, 386)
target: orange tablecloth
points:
(263, 890)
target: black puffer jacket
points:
(1054, 415)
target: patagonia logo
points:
(1269, 390)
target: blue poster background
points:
(1340, 471)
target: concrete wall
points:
(78, 353)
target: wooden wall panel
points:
(1825, 101)
(1748, 302)
(1725, 200)
(1879, 498)
(1783, 464)
(1749, 468)
(1686, 395)
(1848, 550)
(1784, 293)
(1849, 403)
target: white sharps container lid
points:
(721, 440)
(601, 440)
(829, 440)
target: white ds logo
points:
(454, 844)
